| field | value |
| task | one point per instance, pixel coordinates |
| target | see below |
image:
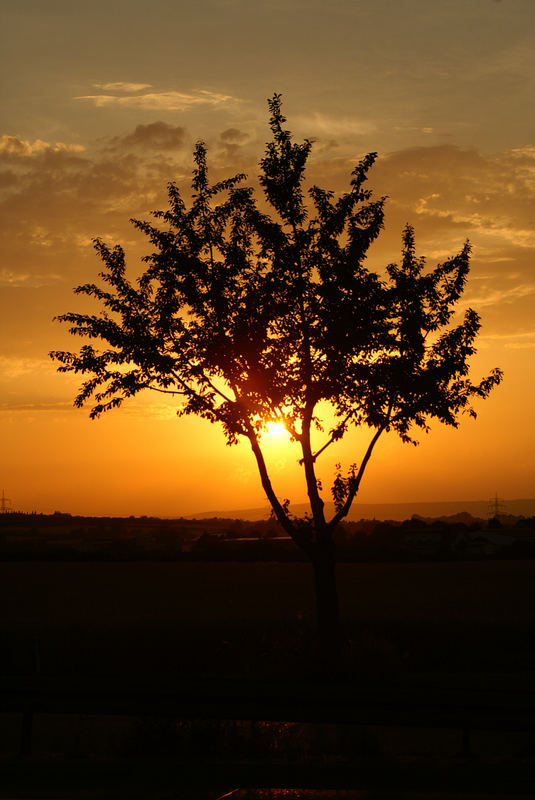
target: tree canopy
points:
(249, 317)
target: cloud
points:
(18, 278)
(120, 86)
(13, 146)
(514, 60)
(53, 203)
(160, 101)
(56, 202)
(232, 142)
(520, 345)
(491, 297)
(21, 405)
(15, 366)
(526, 151)
(155, 135)
(317, 124)
(131, 408)
(445, 188)
(234, 136)
(524, 340)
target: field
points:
(251, 618)
(497, 591)
(466, 629)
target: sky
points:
(101, 105)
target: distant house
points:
(486, 543)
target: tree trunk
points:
(327, 611)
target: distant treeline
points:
(59, 536)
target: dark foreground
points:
(196, 680)
(377, 780)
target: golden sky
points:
(102, 103)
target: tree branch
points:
(277, 507)
(316, 503)
(164, 391)
(191, 392)
(333, 438)
(266, 484)
(355, 487)
(216, 390)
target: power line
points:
(496, 506)
(5, 502)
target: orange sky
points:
(444, 92)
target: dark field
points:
(201, 592)
(462, 631)
(243, 618)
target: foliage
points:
(249, 317)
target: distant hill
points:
(386, 511)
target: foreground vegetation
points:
(64, 537)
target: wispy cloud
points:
(12, 367)
(526, 151)
(445, 188)
(33, 407)
(524, 340)
(160, 101)
(499, 296)
(130, 409)
(495, 225)
(14, 279)
(121, 86)
(13, 146)
(317, 124)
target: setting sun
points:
(275, 431)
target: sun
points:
(275, 431)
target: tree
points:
(249, 318)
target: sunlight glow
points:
(275, 431)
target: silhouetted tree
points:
(251, 318)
